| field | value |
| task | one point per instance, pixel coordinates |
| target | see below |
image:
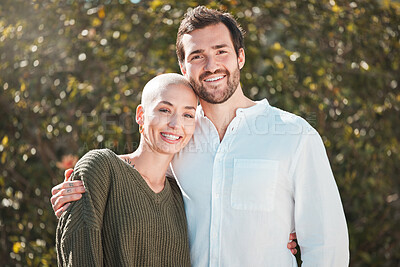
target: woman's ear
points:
(140, 115)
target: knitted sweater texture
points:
(120, 221)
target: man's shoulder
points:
(286, 116)
(289, 119)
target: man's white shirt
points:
(268, 177)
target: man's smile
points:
(213, 79)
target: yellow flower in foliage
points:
(16, 247)
(67, 161)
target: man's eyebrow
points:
(170, 104)
(219, 46)
(198, 51)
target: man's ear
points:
(183, 69)
(140, 115)
(241, 58)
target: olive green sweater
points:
(120, 221)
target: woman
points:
(131, 214)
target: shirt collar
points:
(257, 108)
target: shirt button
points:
(217, 195)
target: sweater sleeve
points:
(319, 218)
(78, 236)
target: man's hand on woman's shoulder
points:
(66, 192)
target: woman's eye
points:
(189, 116)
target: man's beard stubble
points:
(208, 96)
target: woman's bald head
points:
(155, 86)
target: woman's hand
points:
(66, 192)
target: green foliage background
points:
(71, 73)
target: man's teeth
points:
(170, 136)
(214, 79)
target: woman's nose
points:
(174, 121)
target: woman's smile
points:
(170, 137)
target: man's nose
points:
(211, 64)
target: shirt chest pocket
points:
(254, 184)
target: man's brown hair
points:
(201, 17)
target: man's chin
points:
(214, 99)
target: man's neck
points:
(221, 115)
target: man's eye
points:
(221, 52)
(195, 57)
(164, 110)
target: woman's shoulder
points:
(98, 156)
(100, 153)
(95, 162)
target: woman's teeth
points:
(170, 136)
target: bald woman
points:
(131, 214)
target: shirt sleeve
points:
(320, 222)
(78, 236)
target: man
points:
(252, 173)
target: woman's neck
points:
(151, 165)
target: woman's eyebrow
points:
(170, 104)
(166, 103)
(190, 107)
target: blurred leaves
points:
(71, 73)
